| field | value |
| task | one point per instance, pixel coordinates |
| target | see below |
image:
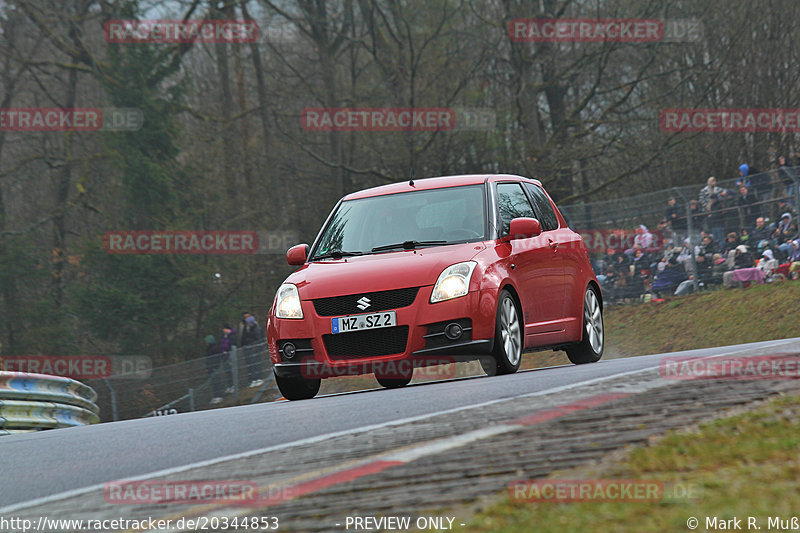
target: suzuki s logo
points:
(363, 303)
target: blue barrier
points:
(30, 402)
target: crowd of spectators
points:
(726, 236)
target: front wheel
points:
(395, 375)
(393, 383)
(507, 354)
(297, 388)
(590, 348)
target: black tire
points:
(590, 348)
(395, 374)
(393, 383)
(508, 338)
(298, 388)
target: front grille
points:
(378, 301)
(384, 341)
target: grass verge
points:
(738, 467)
(716, 318)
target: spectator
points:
(745, 236)
(675, 218)
(786, 232)
(689, 265)
(252, 347)
(669, 278)
(668, 236)
(795, 255)
(640, 261)
(609, 280)
(787, 175)
(731, 242)
(760, 181)
(707, 247)
(708, 191)
(740, 258)
(602, 265)
(213, 359)
(743, 181)
(643, 237)
(685, 287)
(748, 208)
(704, 260)
(794, 260)
(619, 276)
(784, 206)
(696, 212)
(760, 232)
(684, 255)
(768, 263)
(226, 344)
(704, 266)
(784, 223)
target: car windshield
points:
(404, 221)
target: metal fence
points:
(673, 223)
(649, 209)
(188, 386)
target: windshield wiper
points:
(336, 254)
(407, 245)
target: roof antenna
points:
(411, 181)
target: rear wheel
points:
(297, 388)
(507, 354)
(590, 348)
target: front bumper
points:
(417, 340)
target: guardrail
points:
(30, 402)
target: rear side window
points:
(513, 203)
(543, 207)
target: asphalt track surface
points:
(41, 466)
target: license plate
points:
(343, 324)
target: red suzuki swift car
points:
(425, 271)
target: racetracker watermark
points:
(601, 240)
(31, 119)
(180, 492)
(434, 368)
(595, 30)
(600, 490)
(276, 241)
(778, 366)
(180, 31)
(397, 119)
(81, 366)
(754, 120)
(181, 242)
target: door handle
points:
(553, 244)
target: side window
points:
(544, 210)
(513, 203)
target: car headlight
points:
(287, 303)
(453, 282)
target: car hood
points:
(379, 272)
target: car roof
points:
(435, 183)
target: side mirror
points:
(524, 227)
(297, 254)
